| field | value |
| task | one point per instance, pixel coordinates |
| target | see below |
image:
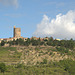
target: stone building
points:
(17, 32)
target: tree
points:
(20, 41)
(39, 41)
(69, 44)
(51, 39)
(10, 43)
(13, 42)
(2, 67)
(35, 43)
(2, 43)
(42, 43)
(27, 42)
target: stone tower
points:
(17, 32)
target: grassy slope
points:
(36, 70)
(9, 55)
(33, 56)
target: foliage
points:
(51, 53)
(20, 65)
(8, 54)
(27, 42)
(2, 43)
(70, 44)
(62, 49)
(68, 65)
(44, 61)
(2, 67)
(63, 67)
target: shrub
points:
(2, 43)
(51, 53)
(20, 65)
(44, 61)
(2, 67)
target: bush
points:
(68, 65)
(44, 61)
(2, 67)
(20, 65)
(62, 49)
(51, 53)
(2, 43)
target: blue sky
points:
(27, 14)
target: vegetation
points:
(2, 67)
(2, 43)
(50, 42)
(9, 55)
(36, 57)
(63, 67)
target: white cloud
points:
(9, 3)
(63, 26)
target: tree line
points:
(50, 42)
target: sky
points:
(40, 18)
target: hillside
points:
(37, 60)
(33, 55)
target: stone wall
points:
(17, 32)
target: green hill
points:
(38, 60)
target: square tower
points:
(17, 32)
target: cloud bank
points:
(63, 26)
(9, 3)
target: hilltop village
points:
(17, 35)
